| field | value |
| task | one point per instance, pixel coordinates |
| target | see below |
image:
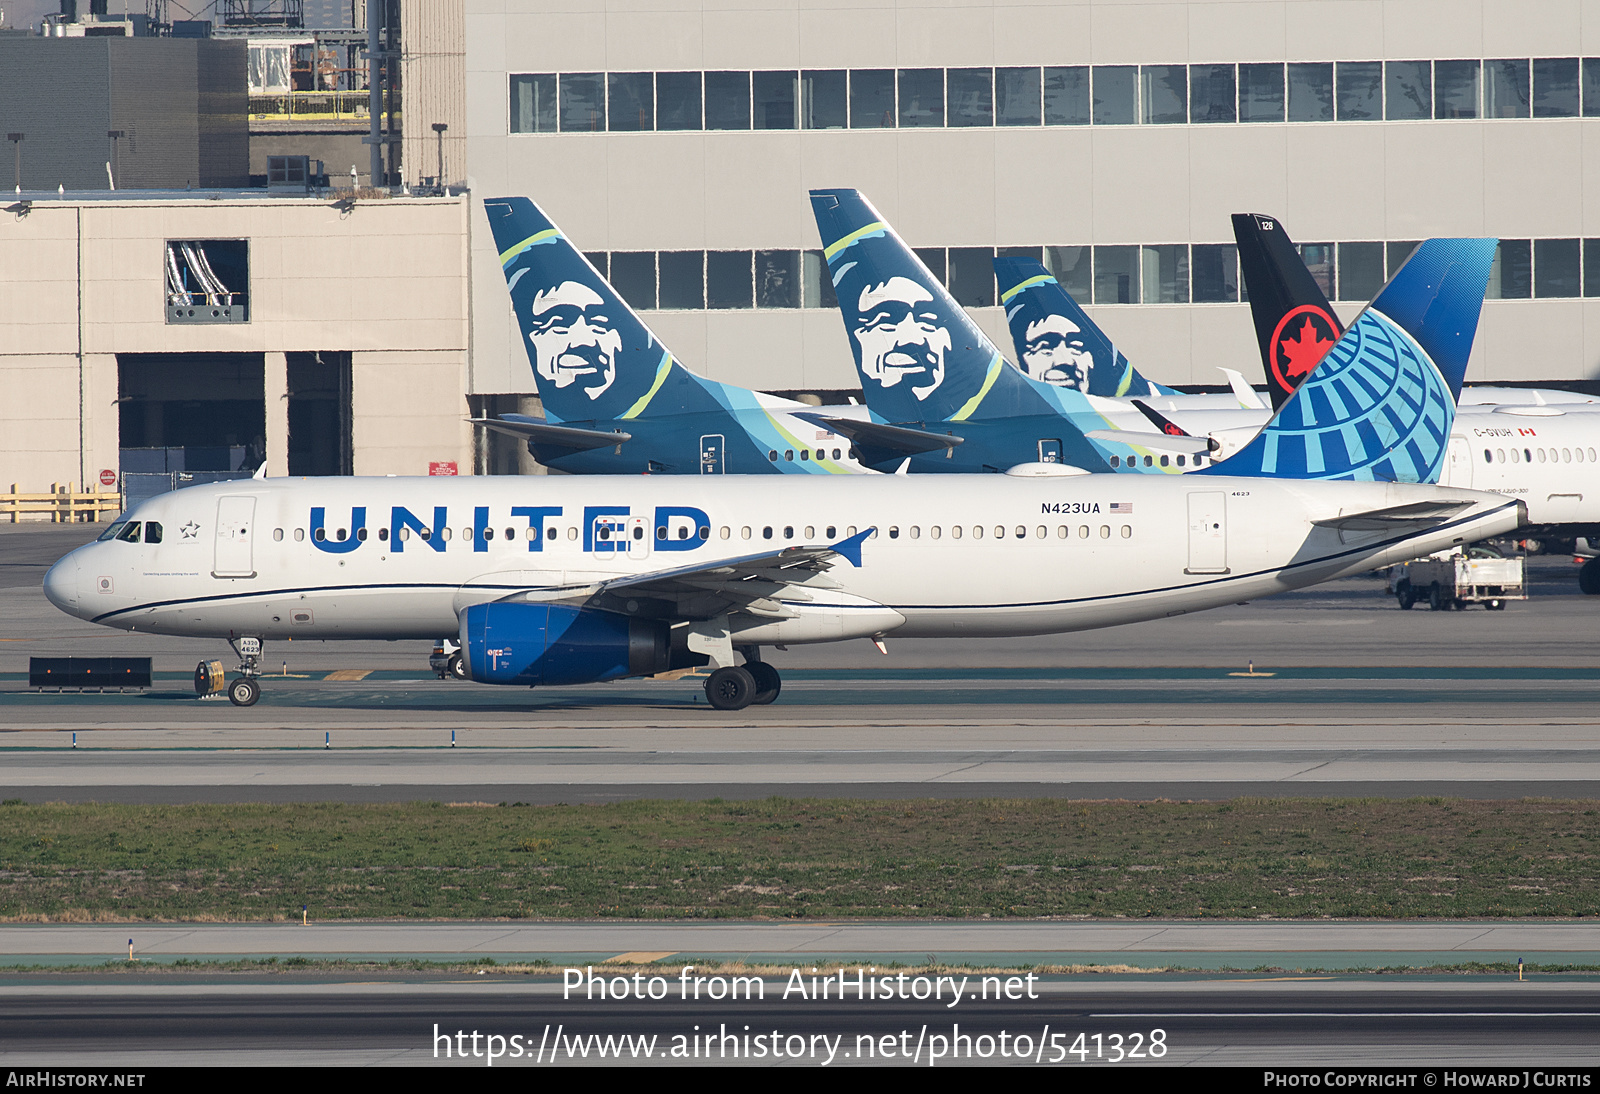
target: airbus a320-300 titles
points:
(577, 580)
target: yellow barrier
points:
(311, 105)
(63, 504)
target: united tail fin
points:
(592, 356)
(1380, 403)
(1295, 324)
(1056, 341)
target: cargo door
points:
(235, 536)
(1208, 533)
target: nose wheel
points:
(244, 692)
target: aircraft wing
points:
(1162, 442)
(898, 438)
(538, 431)
(1418, 514)
(749, 583)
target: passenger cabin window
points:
(277, 535)
(300, 534)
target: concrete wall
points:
(83, 281)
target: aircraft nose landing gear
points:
(244, 691)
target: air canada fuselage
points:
(991, 555)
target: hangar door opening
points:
(320, 414)
(191, 412)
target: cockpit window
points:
(152, 531)
(130, 534)
(111, 533)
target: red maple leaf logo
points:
(1303, 351)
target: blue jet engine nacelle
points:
(532, 644)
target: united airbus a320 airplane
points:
(567, 580)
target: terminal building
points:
(676, 145)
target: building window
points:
(1164, 93)
(823, 100)
(1360, 90)
(921, 98)
(777, 279)
(1016, 96)
(683, 285)
(872, 98)
(533, 103)
(727, 100)
(774, 99)
(1360, 270)
(1408, 90)
(1213, 94)
(633, 275)
(1556, 268)
(1455, 89)
(1311, 92)
(677, 101)
(1115, 95)
(971, 280)
(1073, 267)
(1261, 93)
(583, 102)
(1166, 274)
(1066, 96)
(1116, 275)
(1215, 268)
(630, 102)
(208, 280)
(728, 280)
(970, 97)
(1506, 88)
(1555, 87)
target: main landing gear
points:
(737, 686)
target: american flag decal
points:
(1123, 507)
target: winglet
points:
(850, 549)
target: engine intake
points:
(528, 644)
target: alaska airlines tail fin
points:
(920, 356)
(1056, 341)
(592, 357)
(1295, 324)
(1380, 403)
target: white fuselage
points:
(1545, 456)
(954, 556)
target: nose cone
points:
(61, 584)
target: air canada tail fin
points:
(1380, 404)
(1056, 341)
(1295, 324)
(592, 357)
(920, 357)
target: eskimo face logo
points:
(1303, 337)
(1055, 351)
(901, 336)
(573, 339)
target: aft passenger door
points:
(1208, 533)
(1458, 464)
(235, 535)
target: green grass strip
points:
(784, 858)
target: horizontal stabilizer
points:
(899, 438)
(1161, 442)
(1421, 514)
(540, 432)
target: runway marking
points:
(639, 957)
(348, 674)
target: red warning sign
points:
(108, 477)
(443, 467)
